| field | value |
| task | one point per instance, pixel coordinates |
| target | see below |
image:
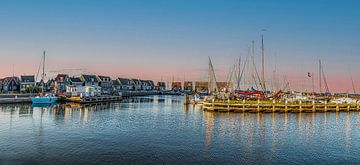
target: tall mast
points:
(320, 76)
(238, 74)
(262, 64)
(352, 83)
(43, 73)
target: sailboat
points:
(44, 98)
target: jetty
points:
(273, 106)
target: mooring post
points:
(258, 105)
(286, 105)
(313, 106)
(325, 105)
(273, 106)
(212, 104)
(357, 105)
(228, 106)
(300, 106)
(337, 107)
(348, 107)
(243, 106)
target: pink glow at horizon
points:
(298, 80)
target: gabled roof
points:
(90, 78)
(103, 78)
(59, 76)
(136, 81)
(28, 78)
(75, 79)
(124, 81)
(115, 82)
(9, 79)
(150, 82)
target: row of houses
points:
(74, 86)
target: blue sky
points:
(172, 38)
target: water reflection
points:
(141, 127)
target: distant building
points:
(136, 83)
(60, 84)
(11, 84)
(151, 85)
(126, 84)
(27, 83)
(176, 86)
(161, 86)
(105, 84)
(201, 86)
(74, 86)
(1, 85)
(116, 86)
(188, 86)
(50, 86)
(90, 80)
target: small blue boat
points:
(44, 99)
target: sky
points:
(172, 39)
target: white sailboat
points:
(44, 98)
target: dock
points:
(282, 107)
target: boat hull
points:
(44, 100)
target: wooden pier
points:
(243, 106)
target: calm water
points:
(160, 130)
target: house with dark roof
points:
(90, 80)
(11, 84)
(60, 84)
(136, 83)
(105, 84)
(27, 83)
(150, 85)
(91, 85)
(115, 86)
(161, 86)
(50, 86)
(74, 86)
(126, 84)
(1, 85)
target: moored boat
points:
(47, 99)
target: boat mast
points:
(43, 73)
(320, 81)
(262, 64)
(352, 83)
(212, 78)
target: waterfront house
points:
(105, 84)
(115, 86)
(1, 85)
(150, 85)
(27, 83)
(201, 86)
(136, 83)
(126, 84)
(50, 86)
(161, 86)
(90, 80)
(176, 86)
(11, 85)
(60, 84)
(74, 86)
(188, 86)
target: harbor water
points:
(161, 130)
